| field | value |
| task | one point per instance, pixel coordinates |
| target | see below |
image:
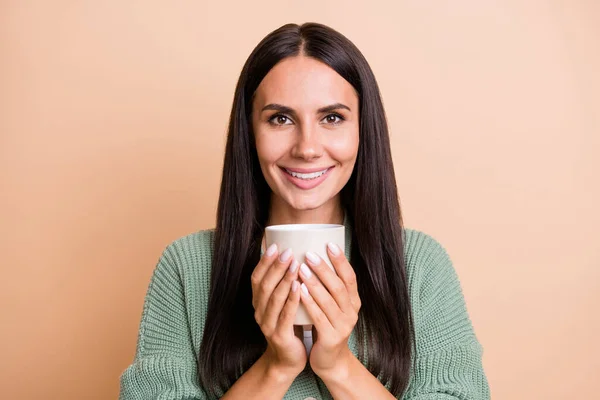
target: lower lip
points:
(307, 184)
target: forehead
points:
(304, 82)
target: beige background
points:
(112, 123)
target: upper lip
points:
(306, 170)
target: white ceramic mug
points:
(302, 238)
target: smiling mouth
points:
(306, 176)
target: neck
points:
(329, 213)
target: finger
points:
(334, 285)
(288, 312)
(345, 272)
(279, 296)
(260, 270)
(263, 265)
(322, 297)
(320, 320)
(271, 279)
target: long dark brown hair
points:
(232, 339)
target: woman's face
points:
(306, 123)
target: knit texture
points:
(448, 356)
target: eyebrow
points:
(288, 110)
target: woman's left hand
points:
(333, 304)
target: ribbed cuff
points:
(160, 378)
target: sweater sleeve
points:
(447, 364)
(165, 366)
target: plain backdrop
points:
(113, 117)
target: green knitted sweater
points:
(448, 363)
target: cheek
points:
(344, 148)
(268, 150)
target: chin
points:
(305, 205)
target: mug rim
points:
(303, 227)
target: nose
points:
(308, 145)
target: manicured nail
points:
(285, 255)
(305, 271)
(335, 250)
(271, 250)
(304, 289)
(294, 286)
(313, 258)
(294, 266)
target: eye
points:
(279, 119)
(333, 119)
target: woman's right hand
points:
(275, 297)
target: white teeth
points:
(312, 175)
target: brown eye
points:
(279, 119)
(333, 119)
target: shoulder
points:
(187, 261)
(428, 263)
(198, 243)
(439, 310)
(181, 283)
(172, 316)
(420, 248)
(190, 251)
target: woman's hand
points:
(275, 297)
(333, 305)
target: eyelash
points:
(272, 119)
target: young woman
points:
(307, 143)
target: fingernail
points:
(335, 250)
(313, 258)
(305, 271)
(304, 289)
(294, 286)
(271, 250)
(285, 255)
(294, 266)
